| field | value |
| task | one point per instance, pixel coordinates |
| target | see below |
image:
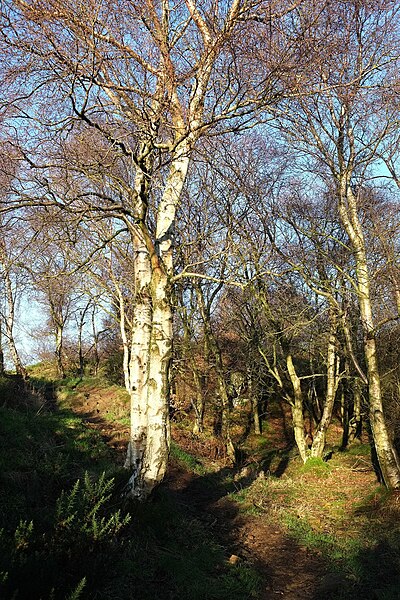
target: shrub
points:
(75, 548)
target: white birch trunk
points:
(297, 410)
(355, 421)
(59, 347)
(387, 455)
(254, 402)
(124, 338)
(9, 329)
(152, 341)
(332, 380)
(138, 369)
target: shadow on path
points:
(287, 570)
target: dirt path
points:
(287, 570)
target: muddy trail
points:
(287, 570)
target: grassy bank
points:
(66, 531)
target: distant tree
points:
(14, 241)
(339, 128)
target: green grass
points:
(114, 418)
(186, 460)
(358, 450)
(64, 530)
(39, 455)
(354, 531)
(369, 562)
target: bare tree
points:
(12, 249)
(340, 128)
(141, 83)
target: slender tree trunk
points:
(386, 453)
(254, 402)
(59, 351)
(151, 345)
(19, 368)
(199, 403)
(219, 372)
(126, 349)
(297, 410)
(81, 324)
(355, 423)
(81, 358)
(199, 380)
(96, 336)
(255, 407)
(332, 380)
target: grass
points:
(338, 512)
(39, 455)
(65, 526)
(114, 417)
(317, 466)
(66, 532)
(186, 460)
(96, 395)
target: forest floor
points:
(267, 528)
(323, 530)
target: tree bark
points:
(81, 324)
(332, 380)
(19, 367)
(386, 453)
(151, 345)
(355, 422)
(219, 372)
(198, 404)
(297, 410)
(254, 402)
(58, 351)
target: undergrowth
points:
(67, 533)
(354, 530)
(80, 540)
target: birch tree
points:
(340, 128)
(140, 83)
(10, 277)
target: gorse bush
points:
(72, 552)
(82, 517)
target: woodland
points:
(199, 299)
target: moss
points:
(316, 466)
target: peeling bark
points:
(151, 346)
(9, 329)
(386, 452)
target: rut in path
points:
(287, 570)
